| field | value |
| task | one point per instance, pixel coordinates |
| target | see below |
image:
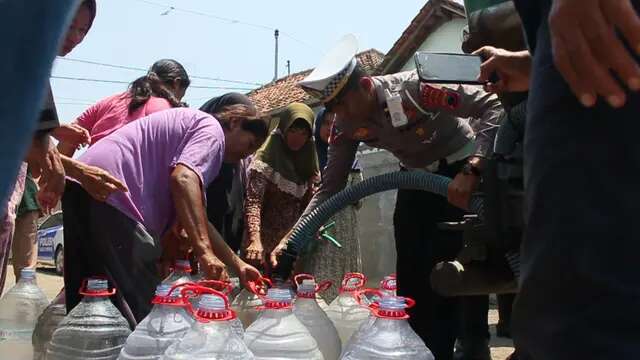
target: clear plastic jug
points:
(94, 329)
(311, 315)
(390, 337)
(212, 337)
(181, 274)
(47, 323)
(246, 304)
(345, 311)
(19, 311)
(388, 287)
(278, 334)
(166, 324)
(225, 288)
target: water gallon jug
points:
(193, 293)
(47, 323)
(310, 314)
(212, 336)
(278, 334)
(94, 329)
(167, 323)
(19, 311)
(372, 297)
(246, 304)
(345, 311)
(390, 337)
(181, 273)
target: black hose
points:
(308, 226)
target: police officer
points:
(447, 130)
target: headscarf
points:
(225, 195)
(297, 167)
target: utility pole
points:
(288, 67)
(275, 76)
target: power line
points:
(194, 12)
(133, 68)
(127, 82)
(220, 18)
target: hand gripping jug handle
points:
(202, 316)
(260, 287)
(84, 291)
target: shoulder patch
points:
(432, 97)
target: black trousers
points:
(420, 246)
(580, 280)
(99, 240)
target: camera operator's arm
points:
(588, 49)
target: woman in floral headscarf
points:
(280, 185)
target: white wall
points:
(447, 38)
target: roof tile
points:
(284, 91)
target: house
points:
(437, 27)
(272, 98)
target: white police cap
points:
(332, 74)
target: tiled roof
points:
(284, 91)
(432, 15)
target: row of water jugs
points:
(194, 320)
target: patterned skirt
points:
(327, 262)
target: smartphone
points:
(448, 68)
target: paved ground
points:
(47, 280)
(52, 283)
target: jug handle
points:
(359, 297)
(182, 285)
(386, 284)
(301, 277)
(225, 286)
(189, 290)
(409, 303)
(349, 276)
(324, 286)
(84, 292)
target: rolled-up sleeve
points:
(203, 150)
(484, 111)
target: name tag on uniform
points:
(396, 111)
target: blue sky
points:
(134, 33)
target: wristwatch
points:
(471, 169)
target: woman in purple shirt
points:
(165, 160)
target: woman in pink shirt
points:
(161, 89)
